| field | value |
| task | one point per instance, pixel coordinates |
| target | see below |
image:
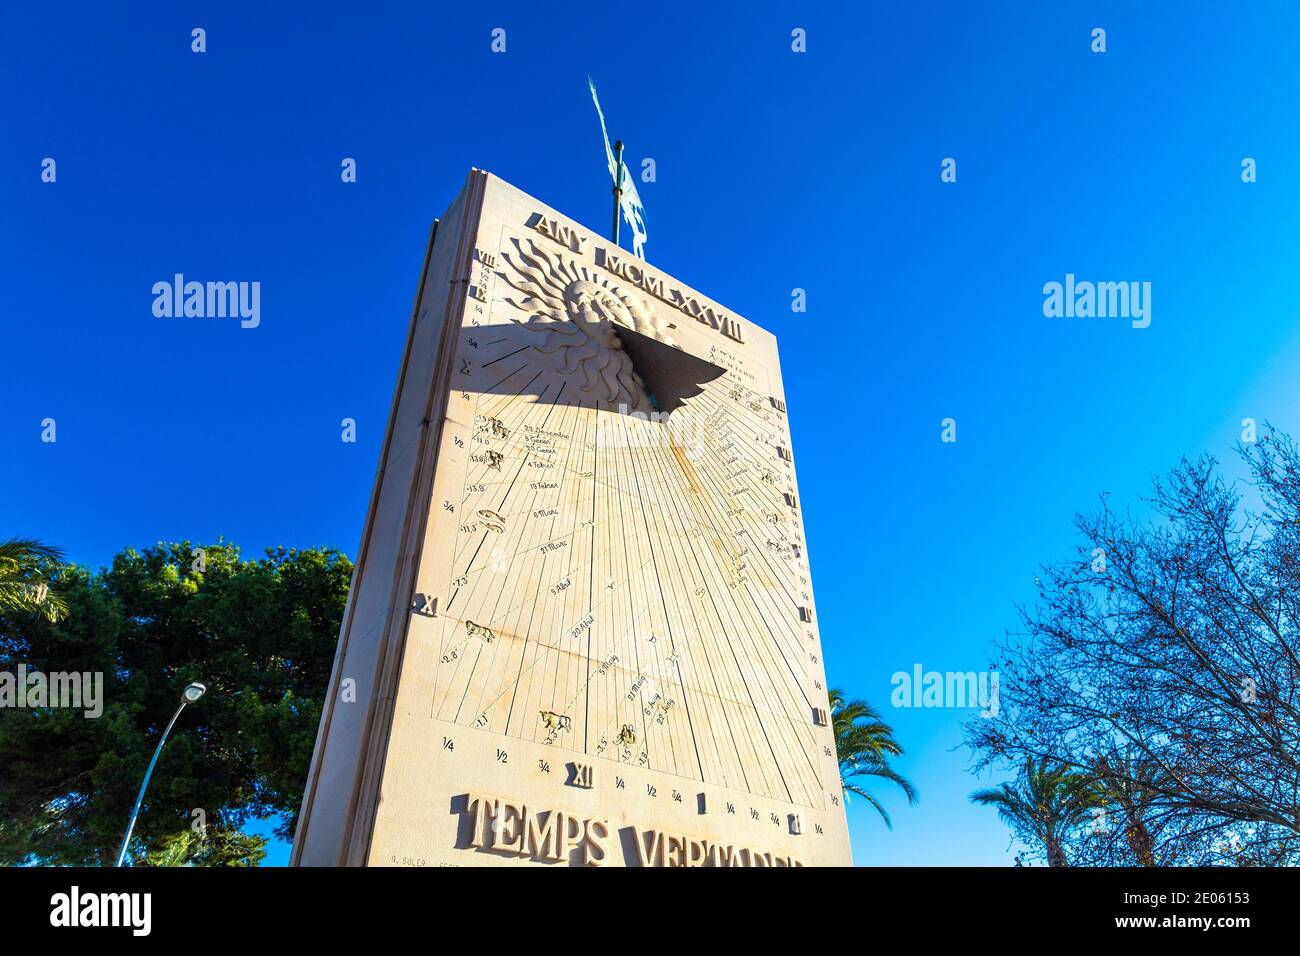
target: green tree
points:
(219, 848)
(260, 633)
(27, 568)
(864, 744)
(1044, 805)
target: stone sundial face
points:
(609, 654)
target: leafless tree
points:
(1164, 659)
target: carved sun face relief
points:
(577, 312)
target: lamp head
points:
(194, 691)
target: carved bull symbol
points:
(554, 722)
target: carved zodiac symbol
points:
(493, 522)
(496, 428)
(627, 736)
(554, 722)
(494, 459)
(478, 630)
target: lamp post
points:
(191, 693)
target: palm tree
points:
(1045, 803)
(24, 579)
(864, 743)
(1132, 783)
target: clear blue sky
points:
(775, 171)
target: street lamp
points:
(191, 693)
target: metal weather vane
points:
(626, 198)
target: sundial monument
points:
(581, 628)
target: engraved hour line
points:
(614, 720)
(701, 576)
(808, 728)
(681, 680)
(776, 710)
(577, 510)
(618, 697)
(796, 713)
(509, 375)
(443, 648)
(527, 549)
(645, 720)
(565, 467)
(766, 561)
(469, 564)
(485, 468)
(482, 474)
(632, 618)
(602, 553)
(537, 592)
(513, 686)
(775, 577)
(534, 530)
(763, 617)
(710, 640)
(528, 634)
(604, 484)
(667, 618)
(783, 618)
(479, 478)
(764, 661)
(473, 668)
(591, 581)
(516, 583)
(712, 658)
(778, 579)
(672, 560)
(541, 428)
(561, 609)
(754, 617)
(506, 356)
(492, 616)
(622, 634)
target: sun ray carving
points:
(576, 311)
